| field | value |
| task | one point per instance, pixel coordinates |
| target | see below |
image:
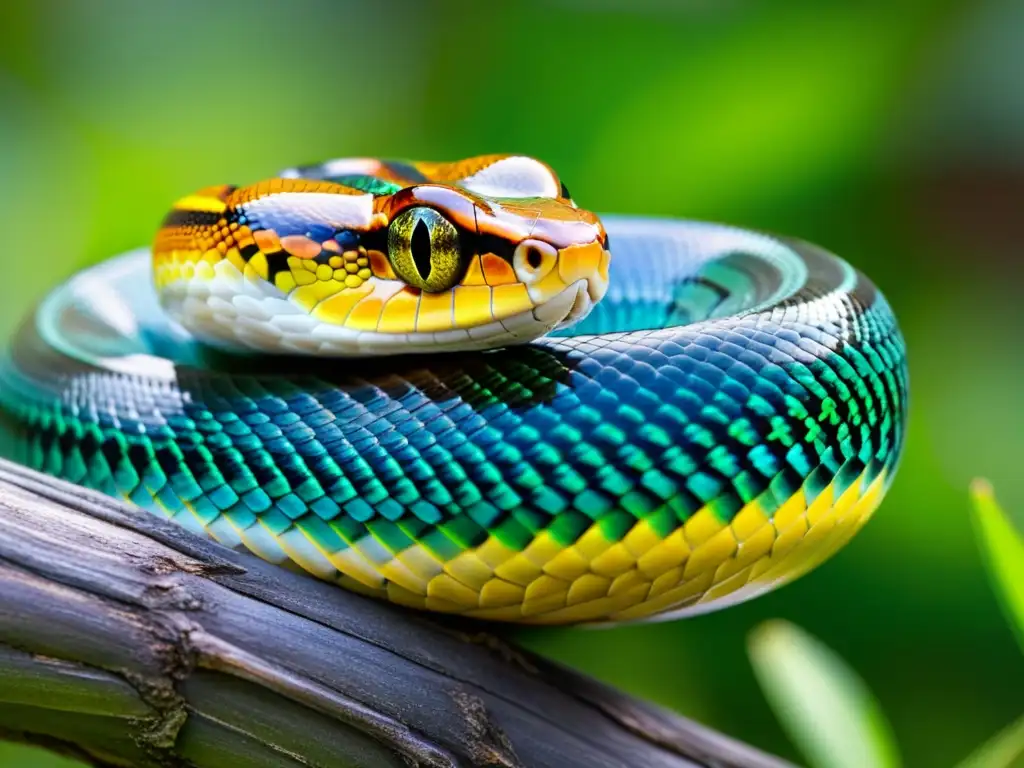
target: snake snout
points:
(572, 286)
(585, 266)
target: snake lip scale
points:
(449, 386)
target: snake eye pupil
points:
(565, 192)
(420, 246)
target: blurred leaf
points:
(783, 100)
(1003, 548)
(1002, 751)
(826, 709)
(26, 756)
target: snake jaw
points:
(569, 307)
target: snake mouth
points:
(567, 307)
(570, 306)
(582, 304)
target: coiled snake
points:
(432, 383)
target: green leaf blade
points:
(1002, 751)
(824, 707)
(1003, 549)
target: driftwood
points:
(125, 640)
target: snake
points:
(449, 386)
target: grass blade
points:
(1002, 751)
(1003, 549)
(823, 705)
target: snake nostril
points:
(534, 258)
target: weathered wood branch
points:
(126, 640)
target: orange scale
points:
(474, 273)
(300, 246)
(455, 171)
(266, 240)
(580, 260)
(380, 266)
(497, 271)
(365, 315)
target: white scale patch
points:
(513, 177)
(338, 211)
(230, 311)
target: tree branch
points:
(126, 640)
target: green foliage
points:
(824, 706)
(1005, 749)
(1003, 550)
(829, 712)
(33, 757)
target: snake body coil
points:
(707, 416)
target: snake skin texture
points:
(726, 418)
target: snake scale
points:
(447, 385)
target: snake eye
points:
(424, 249)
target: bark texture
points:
(128, 641)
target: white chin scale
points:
(231, 312)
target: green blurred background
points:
(890, 132)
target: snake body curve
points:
(708, 416)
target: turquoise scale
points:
(723, 369)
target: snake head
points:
(361, 256)
(501, 269)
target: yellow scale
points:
(701, 562)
